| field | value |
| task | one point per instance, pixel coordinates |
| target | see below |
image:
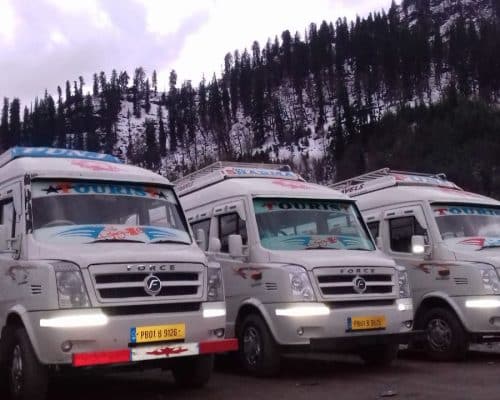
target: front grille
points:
(338, 282)
(151, 309)
(359, 303)
(115, 283)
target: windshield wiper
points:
(320, 248)
(116, 241)
(160, 241)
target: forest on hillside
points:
(340, 99)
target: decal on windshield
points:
(312, 242)
(92, 188)
(481, 242)
(95, 165)
(263, 206)
(463, 210)
(101, 232)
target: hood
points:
(476, 249)
(108, 253)
(311, 259)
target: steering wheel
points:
(58, 222)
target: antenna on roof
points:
(385, 177)
(222, 170)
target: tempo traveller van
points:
(98, 267)
(449, 241)
(301, 272)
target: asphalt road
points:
(410, 377)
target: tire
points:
(258, 352)
(193, 372)
(446, 339)
(381, 355)
(27, 378)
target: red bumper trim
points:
(101, 357)
(219, 346)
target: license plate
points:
(158, 333)
(366, 323)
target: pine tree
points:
(151, 154)
(95, 86)
(4, 125)
(162, 134)
(155, 82)
(147, 103)
(15, 123)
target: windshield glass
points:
(87, 212)
(299, 224)
(477, 225)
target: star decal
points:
(52, 189)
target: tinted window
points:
(8, 218)
(205, 227)
(231, 224)
(374, 228)
(402, 229)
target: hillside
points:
(319, 101)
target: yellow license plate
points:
(370, 322)
(158, 333)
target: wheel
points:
(381, 355)
(193, 372)
(27, 377)
(446, 337)
(258, 351)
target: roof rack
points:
(385, 177)
(50, 152)
(221, 170)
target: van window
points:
(204, 225)
(231, 224)
(402, 229)
(374, 228)
(8, 216)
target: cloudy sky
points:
(43, 43)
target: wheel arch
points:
(437, 300)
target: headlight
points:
(300, 284)
(70, 287)
(404, 284)
(215, 290)
(489, 277)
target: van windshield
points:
(300, 224)
(472, 225)
(90, 212)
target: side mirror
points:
(235, 244)
(418, 245)
(214, 245)
(201, 239)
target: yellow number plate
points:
(158, 333)
(366, 323)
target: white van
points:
(301, 272)
(449, 240)
(98, 267)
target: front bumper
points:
(111, 342)
(480, 315)
(349, 344)
(304, 330)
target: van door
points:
(13, 278)
(400, 224)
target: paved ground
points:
(411, 377)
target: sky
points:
(43, 43)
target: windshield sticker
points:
(102, 232)
(482, 242)
(95, 165)
(462, 210)
(269, 205)
(69, 188)
(292, 184)
(257, 172)
(315, 242)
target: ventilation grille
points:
(36, 289)
(461, 281)
(271, 286)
